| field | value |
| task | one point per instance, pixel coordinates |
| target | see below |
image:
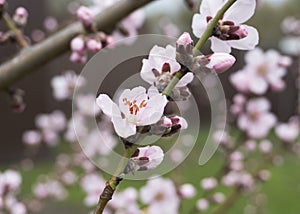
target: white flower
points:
(160, 67)
(134, 109)
(229, 32)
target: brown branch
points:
(33, 57)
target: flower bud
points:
(32, 137)
(184, 40)
(20, 16)
(93, 45)
(220, 62)
(77, 44)
(85, 16)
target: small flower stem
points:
(209, 30)
(173, 82)
(114, 181)
(13, 28)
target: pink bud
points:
(93, 44)
(176, 120)
(77, 44)
(209, 183)
(265, 146)
(85, 16)
(220, 62)
(185, 39)
(20, 16)
(110, 42)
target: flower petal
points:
(153, 111)
(186, 79)
(146, 72)
(107, 105)
(218, 45)
(210, 8)
(199, 24)
(122, 128)
(247, 43)
(240, 11)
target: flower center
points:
(159, 196)
(134, 107)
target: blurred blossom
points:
(93, 44)
(290, 45)
(238, 179)
(218, 198)
(84, 15)
(69, 177)
(129, 26)
(125, 202)
(76, 127)
(92, 185)
(10, 182)
(168, 27)
(50, 189)
(237, 107)
(32, 137)
(77, 44)
(37, 35)
(257, 120)
(20, 17)
(202, 204)
(98, 142)
(187, 191)
(229, 32)
(86, 105)
(263, 71)
(291, 25)
(265, 146)
(209, 184)
(64, 85)
(50, 23)
(250, 145)
(160, 195)
(138, 110)
(288, 132)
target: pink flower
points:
(161, 196)
(263, 71)
(10, 181)
(229, 32)
(147, 158)
(85, 16)
(265, 146)
(134, 109)
(220, 62)
(160, 67)
(287, 132)
(257, 120)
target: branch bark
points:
(31, 58)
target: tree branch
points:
(33, 57)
